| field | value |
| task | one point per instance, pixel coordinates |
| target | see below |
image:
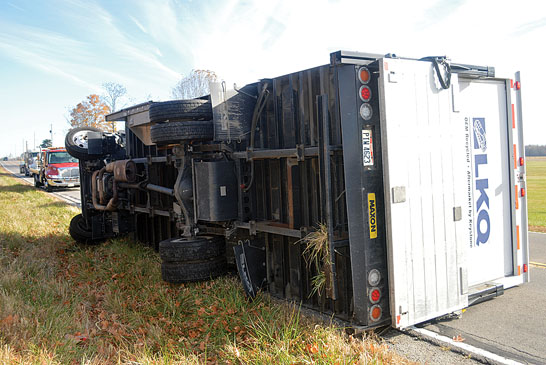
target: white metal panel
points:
(484, 106)
(424, 155)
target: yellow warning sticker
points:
(372, 215)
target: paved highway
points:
(512, 325)
(70, 195)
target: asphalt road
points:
(70, 195)
(512, 325)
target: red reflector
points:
(522, 191)
(524, 267)
(513, 117)
(511, 83)
(365, 93)
(375, 295)
(521, 161)
(518, 85)
(517, 233)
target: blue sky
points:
(54, 53)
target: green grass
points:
(536, 193)
(62, 303)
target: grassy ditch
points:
(536, 193)
(63, 303)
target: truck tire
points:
(178, 110)
(76, 143)
(177, 132)
(47, 187)
(37, 182)
(80, 233)
(192, 249)
(184, 272)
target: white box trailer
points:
(454, 184)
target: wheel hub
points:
(80, 139)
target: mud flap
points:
(251, 267)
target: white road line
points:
(466, 347)
(537, 232)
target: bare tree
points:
(195, 85)
(114, 92)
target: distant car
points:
(5, 159)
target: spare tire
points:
(184, 272)
(178, 110)
(191, 249)
(176, 132)
(76, 143)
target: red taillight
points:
(524, 267)
(375, 295)
(365, 93)
(521, 161)
(518, 85)
(364, 75)
(522, 192)
(375, 313)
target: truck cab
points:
(29, 158)
(55, 168)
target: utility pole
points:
(51, 131)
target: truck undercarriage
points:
(284, 178)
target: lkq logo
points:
(483, 224)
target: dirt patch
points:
(537, 229)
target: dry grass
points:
(61, 303)
(317, 256)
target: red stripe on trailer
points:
(513, 116)
(515, 158)
(511, 83)
(517, 233)
(519, 270)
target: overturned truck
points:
(375, 188)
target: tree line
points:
(92, 111)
